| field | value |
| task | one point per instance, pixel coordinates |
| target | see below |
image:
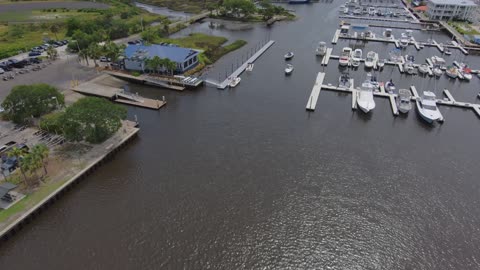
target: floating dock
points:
(414, 91)
(312, 100)
(242, 68)
(336, 36)
(448, 95)
(326, 57)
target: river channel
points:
(246, 178)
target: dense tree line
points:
(91, 119)
(27, 101)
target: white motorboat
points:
(370, 59)
(288, 55)
(357, 54)
(437, 71)
(355, 63)
(467, 76)
(371, 11)
(344, 81)
(438, 61)
(289, 69)
(390, 87)
(365, 96)
(234, 81)
(409, 68)
(249, 67)
(321, 49)
(404, 103)
(342, 8)
(448, 52)
(427, 107)
(381, 63)
(423, 68)
(345, 11)
(345, 56)
(403, 42)
(452, 72)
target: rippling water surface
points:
(247, 179)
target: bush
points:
(35, 100)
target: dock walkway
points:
(242, 68)
(312, 100)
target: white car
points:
(2, 71)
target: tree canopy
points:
(239, 8)
(91, 119)
(25, 101)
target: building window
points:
(185, 65)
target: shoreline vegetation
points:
(92, 128)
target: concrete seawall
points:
(25, 218)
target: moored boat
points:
(321, 49)
(345, 56)
(423, 68)
(404, 103)
(344, 81)
(390, 87)
(437, 71)
(427, 107)
(365, 96)
(452, 72)
(288, 55)
(234, 81)
(288, 69)
(249, 67)
(381, 63)
(370, 59)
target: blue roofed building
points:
(136, 56)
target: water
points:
(247, 179)
(171, 14)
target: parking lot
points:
(22, 137)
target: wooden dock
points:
(448, 95)
(393, 104)
(439, 47)
(457, 45)
(242, 68)
(312, 100)
(414, 91)
(326, 57)
(354, 99)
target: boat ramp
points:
(110, 88)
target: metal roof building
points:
(135, 56)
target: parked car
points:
(35, 60)
(10, 164)
(2, 71)
(35, 53)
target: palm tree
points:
(113, 51)
(84, 54)
(170, 66)
(94, 51)
(155, 63)
(52, 53)
(55, 28)
(19, 153)
(41, 152)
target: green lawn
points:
(31, 199)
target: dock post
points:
(163, 98)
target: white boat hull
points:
(428, 117)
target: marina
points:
(318, 86)
(374, 191)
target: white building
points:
(451, 9)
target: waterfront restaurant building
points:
(451, 9)
(135, 56)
